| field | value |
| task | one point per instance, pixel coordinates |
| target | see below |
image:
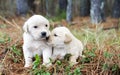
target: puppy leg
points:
(28, 61)
(46, 56)
(28, 58)
(60, 57)
(73, 59)
(54, 57)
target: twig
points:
(115, 27)
(18, 27)
(5, 56)
(7, 21)
(98, 64)
(14, 24)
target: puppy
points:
(36, 33)
(65, 43)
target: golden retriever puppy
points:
(64, 43)
(36, 33)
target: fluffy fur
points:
(65, 43)
(36, 31)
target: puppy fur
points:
(36, 30)
(64, 43)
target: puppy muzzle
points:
(43, 34)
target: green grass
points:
(4, 38)
(98, 37)
(3, 25)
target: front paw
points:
(47, 64)
(73, 63)
(60, 57)
(28, 65)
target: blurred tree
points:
(84, 7)
(97, 11)
(47, 7)
(69, 11)
(7, 7)
(62, 5)
(22, 7)
(108, 7)
(116, 9)
(25, 6)
(32, 5)
(76, 7)
(51, 7)
(42, 8)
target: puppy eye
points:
(55, 35)
(46, 25)
(35, 26)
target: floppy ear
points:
(68, 38)
(25, 27)
(49, 39)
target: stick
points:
(2, 18)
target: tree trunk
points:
(32, 5)
(69, 11)
(108, 7)
(116, 9)
(62, 5)
(97, 11)
(42, 7)
(84, 7)
(7, 7)
(51, 7)
(22, 7)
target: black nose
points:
(43, 34)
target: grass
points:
(101, 44)
(101, 50)
(4, 38)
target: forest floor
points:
(101, 48)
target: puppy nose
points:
(43, 33)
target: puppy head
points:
(60, 36)
(37, 26)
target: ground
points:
(101, 47)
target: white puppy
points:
(65, 43)
(36, 33)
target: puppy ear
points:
(50, 39)
(25, 27)
(68, 38)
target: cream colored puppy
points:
(36, 33)
(65, 43)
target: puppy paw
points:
(47, 64)
(27, 65)
(73, 63)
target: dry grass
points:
(101, 48)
